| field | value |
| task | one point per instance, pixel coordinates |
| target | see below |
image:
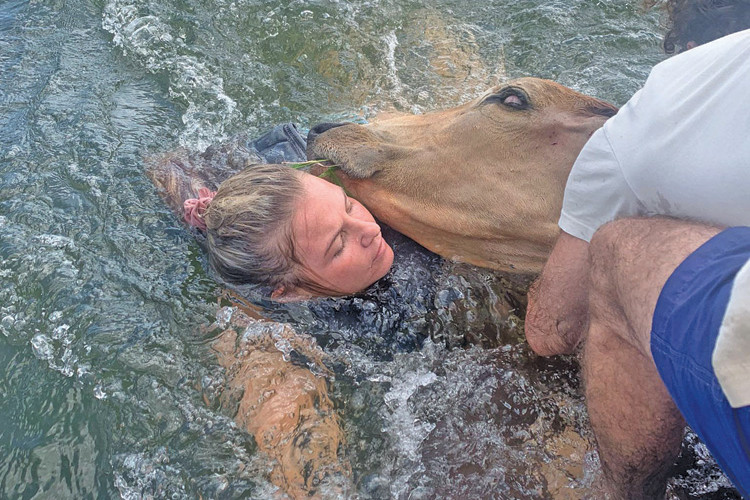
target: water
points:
(110, 387)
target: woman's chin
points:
(383, 265)
(386, 261)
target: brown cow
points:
(480, 183)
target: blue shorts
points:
(686, 323)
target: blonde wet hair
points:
(248, 227)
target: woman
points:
(297, 233)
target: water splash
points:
(150, 42)
(142, 475)
(397, 88)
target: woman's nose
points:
(368, 232)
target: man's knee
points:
(542, 330)
(631, 259)
(615, 240)
(616, 254)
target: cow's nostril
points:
(320, 128)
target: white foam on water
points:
(7, 324)
(56, 349)
(92, 181)
(55, 241)
(41, 345)
(224, 317)
(99, 392)
(397, 86)
(280, 342)
(407, 424)
(149, 41)
(143, 476)
(167, 472)
(706, 478)
(411, 430)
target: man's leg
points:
(637, 426)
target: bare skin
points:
(480, 183)
(557, 310)
(286, 408)
(637, 426)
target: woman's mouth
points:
(380, 250)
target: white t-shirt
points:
(680, 147)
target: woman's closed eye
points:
(340, 249)
(348, 207)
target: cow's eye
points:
(512, 97)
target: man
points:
(678, 148)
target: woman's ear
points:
(291, 294)
(278, 293)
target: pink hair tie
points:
(194, 208)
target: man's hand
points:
(557, 311)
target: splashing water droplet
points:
(99, 392)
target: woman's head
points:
(695, 22)
(268, 225)
(336, 240)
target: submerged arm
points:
(286, 407)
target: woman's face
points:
(336, 239)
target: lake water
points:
(109, 385)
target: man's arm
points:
(557, 311)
